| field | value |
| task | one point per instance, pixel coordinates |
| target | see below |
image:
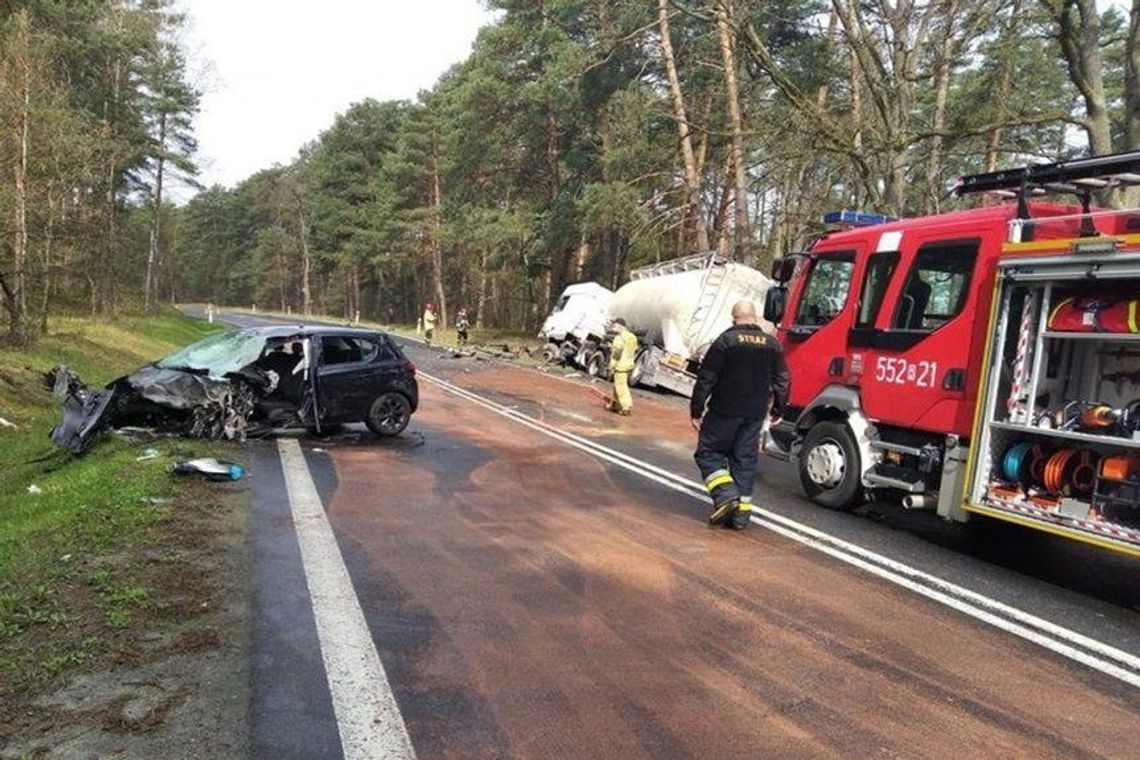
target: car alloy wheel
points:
(389, 414)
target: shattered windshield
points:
(217, 355)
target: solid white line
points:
(367, 715)
(1048, 635)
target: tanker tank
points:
(682, 312)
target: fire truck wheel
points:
(829, 466)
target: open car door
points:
(310, 411)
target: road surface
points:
(533, 578)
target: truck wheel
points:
(829, 466)
(596, 364)
(551, 352)
(638, 368)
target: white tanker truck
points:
(677, 308)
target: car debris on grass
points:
(210, 469)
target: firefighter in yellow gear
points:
(428, 322)
(623, 352)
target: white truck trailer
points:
(677, 308)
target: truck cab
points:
(580, 310)
(577, 324)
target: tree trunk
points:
(436, 242)
(779, 223)
(355, 301)
(279, 259)
(306, 265)
(152, 259)
(1079, 38)
(720, 218)
(49, 237)
(580, 259)
(934, 160)
(1004, 82)
(481, 305)
(741, 234)
(692, 178)
(109, 267)
(17, 302)
(497, 301)
(1132, 79)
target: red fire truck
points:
(985, 361)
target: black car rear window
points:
(389, 349)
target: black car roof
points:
(285, 331)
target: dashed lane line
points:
(368, 718)
(1075, 646)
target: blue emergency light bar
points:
(855, 218)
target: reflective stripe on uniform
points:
(1132, 317)
(715, 474)
(717, 479)
(716, 483)
(745, 503)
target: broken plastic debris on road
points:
(210, 469)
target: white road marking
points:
(1090, 652)
(367, 715)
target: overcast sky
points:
(276, 72)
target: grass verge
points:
(77, 534)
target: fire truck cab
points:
(886, 327)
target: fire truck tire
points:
(829, 466)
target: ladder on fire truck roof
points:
(1078, 177)
(1081, 178)
(673, 266)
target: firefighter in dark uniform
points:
(743, 378)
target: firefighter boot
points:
(725, 497)
(741, 516)
(723, 510)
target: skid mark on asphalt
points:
(367, 716)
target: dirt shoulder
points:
(176, 682)
(123, 621)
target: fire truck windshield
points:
(826, 289)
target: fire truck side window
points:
(937, 286)
(875, 281)
(826, 290)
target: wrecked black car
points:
(250, 382)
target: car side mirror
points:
(775, 300)
(783, 269)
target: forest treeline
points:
(96, 113)
(578, 139)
